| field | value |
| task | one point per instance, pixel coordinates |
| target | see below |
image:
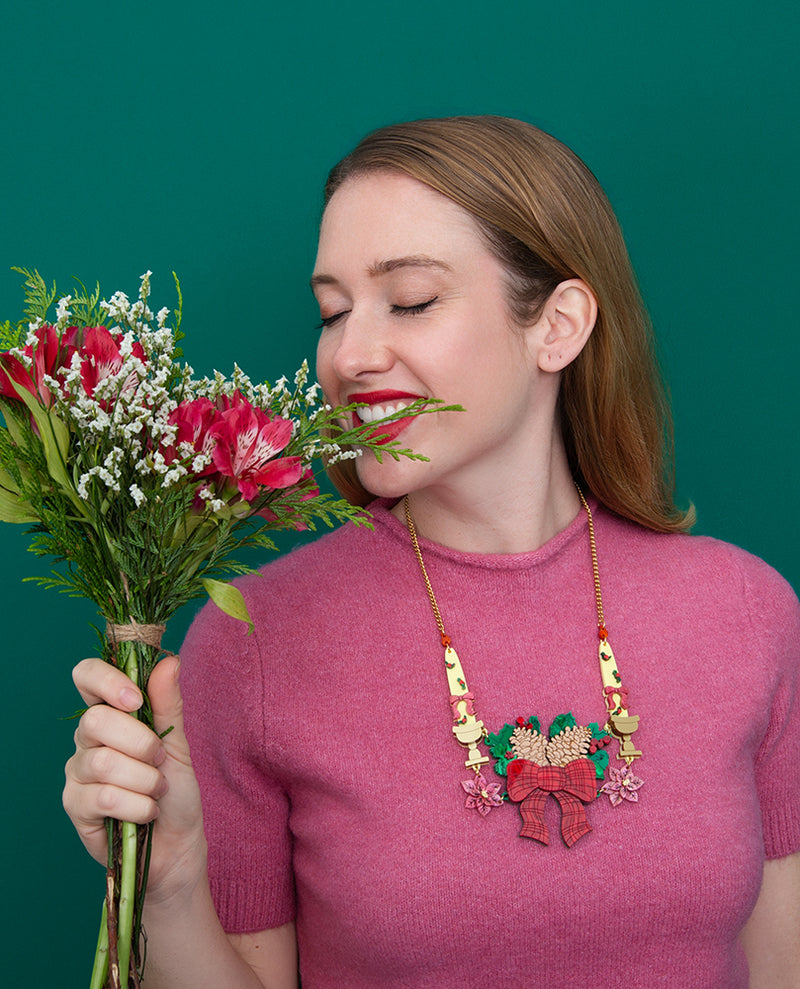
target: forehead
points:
(384, 214)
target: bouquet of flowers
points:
(143, 483)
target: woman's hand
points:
(122, 769)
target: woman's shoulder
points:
(329, 568)
(706, 567)
(352, 548)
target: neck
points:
(505, 518)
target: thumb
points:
(167, 706)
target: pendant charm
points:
(482, 795)
(466, 727)
(621, 724)
(622, 785)
(567, 762)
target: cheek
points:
(325, 375)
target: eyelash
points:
(414, 310)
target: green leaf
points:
(14, 509)
(561, 722)
(8, 482)
(10, 335)
(228, 599)
(600, 760)
(498, 743)
(54, 435)
(16, 430)
(38, 297)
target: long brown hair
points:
(546, 219)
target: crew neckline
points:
(395, 529)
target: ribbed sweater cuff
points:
(244, 907)
(782, 832)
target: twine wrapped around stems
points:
(150, 635)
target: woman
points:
(475, 260)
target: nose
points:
(356, 347)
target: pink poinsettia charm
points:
(622, 785)
(482, 796)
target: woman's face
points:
(413, 305)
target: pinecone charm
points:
(526, 743)
(568, 745)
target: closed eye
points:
(415, 309)
(330, 320)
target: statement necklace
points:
(568, 761)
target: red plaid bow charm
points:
(572, 785)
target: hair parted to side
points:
(546, 219)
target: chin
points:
(391, 479)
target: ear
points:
(567, 320)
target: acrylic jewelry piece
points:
(569, 761)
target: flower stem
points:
(127, 894)
(100, 969)
(129, 858)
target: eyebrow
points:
(389, 265)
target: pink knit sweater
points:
(332, 783)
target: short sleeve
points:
(775, 616)
(245, 807)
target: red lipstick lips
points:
(382, 399)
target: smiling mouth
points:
(373, 413)
(377, 407)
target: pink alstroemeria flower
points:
(49, 354)
(482, 796)
(194, 420)
(101, 357)
(308, 489)
(622, 785)
(247, 442)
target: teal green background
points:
(196, 137)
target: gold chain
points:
(598, 597)
(418, 552)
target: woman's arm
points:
(122, 769)
(771, 937)
(186, 946)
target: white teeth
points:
(372, 413)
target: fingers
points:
(117, 771)
(114, 771)
(102, 726)
(122, 769)
(98, 682)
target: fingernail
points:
(177, 672)
(130, 698)
(161, 755)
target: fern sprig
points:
(38, 297)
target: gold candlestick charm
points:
(621, 724)
(466, 726)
